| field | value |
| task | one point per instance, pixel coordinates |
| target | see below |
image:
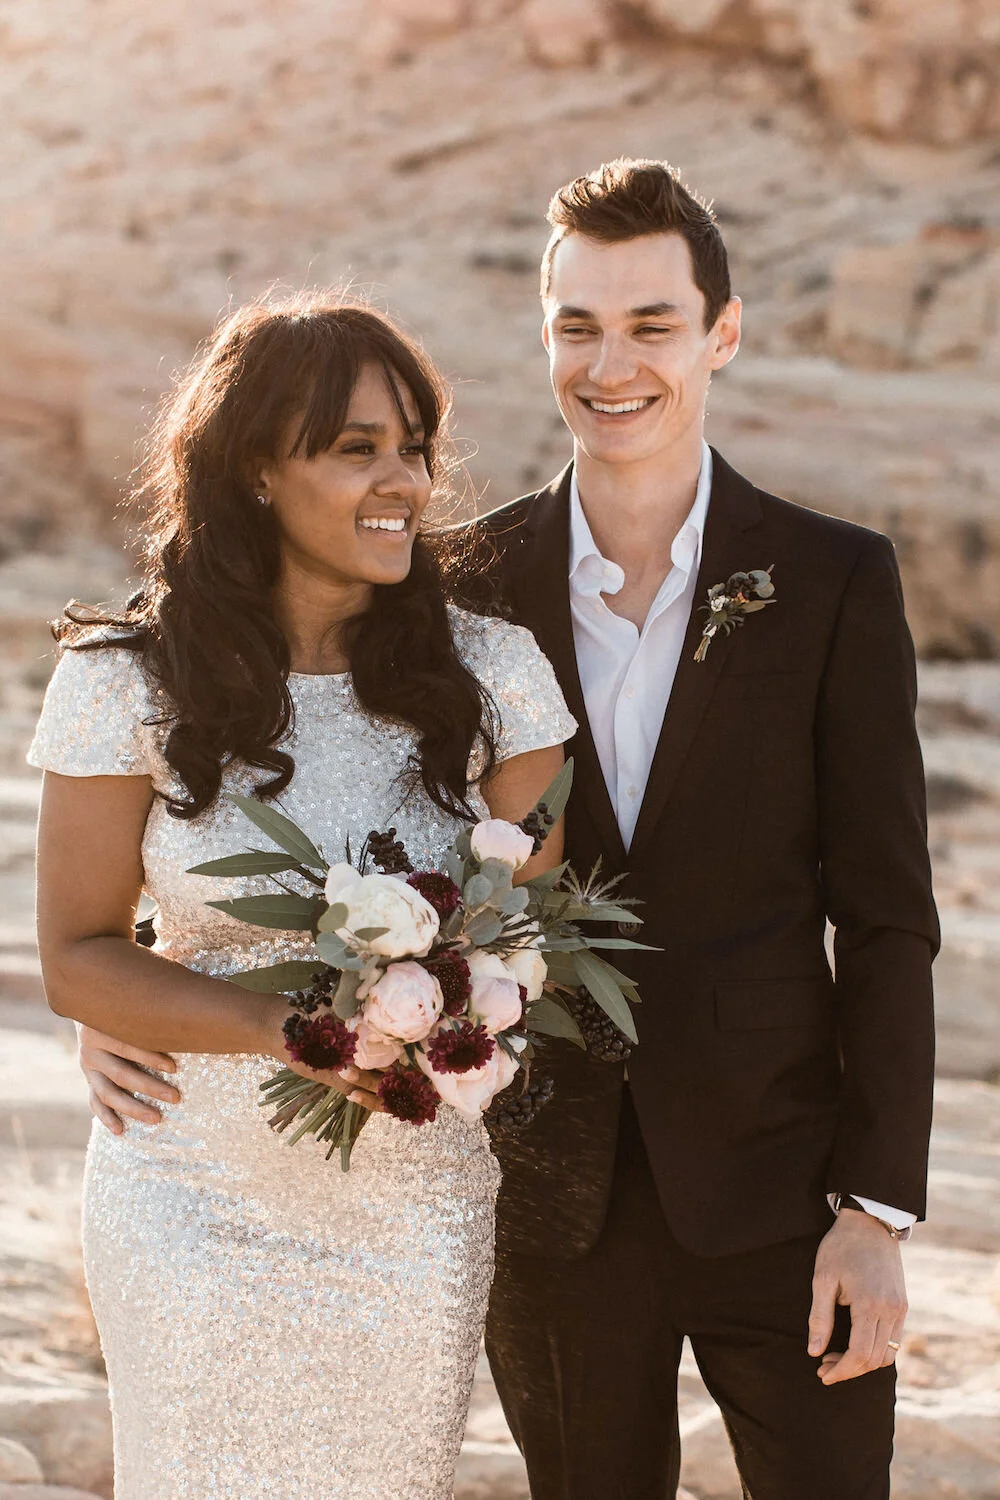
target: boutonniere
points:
(729, 604)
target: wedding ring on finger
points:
(893, 1346)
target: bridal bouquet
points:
(443, 982)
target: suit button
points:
(628, 929)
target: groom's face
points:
(630, 357)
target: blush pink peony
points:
(470, 1093)
(374, 1050)
(405, 1003)
(496, 1003)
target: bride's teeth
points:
(383, 523)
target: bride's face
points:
(349, 515)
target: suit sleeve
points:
(877, 883)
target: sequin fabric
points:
(272, 1326)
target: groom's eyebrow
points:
(650, 310)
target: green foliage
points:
(283, 910)
(281, 829)
(279, 979)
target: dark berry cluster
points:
(321, 1042)
(408, 1095)
(442, 892)
(459, 1049)
(538, 825)
(604, 1040)
(387, 853)
(319, 993)
(454, 976)
(512, 1111)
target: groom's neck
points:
(635, 510)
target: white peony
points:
(529, 969)
(383, 901)
(405, 1003)
(495, 839)
(470, 1093)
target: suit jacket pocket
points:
(766, 1004)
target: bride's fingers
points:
(132, 1078)
(124, 1105)
(107, 1116)
(370, 1101)
(92, 1042)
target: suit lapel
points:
(733, 511)
(538, 575)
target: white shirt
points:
(627, 675)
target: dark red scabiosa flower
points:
(455, 978)
(442, 893)
(408, 1095)
(321, 1042)
(459, 1049)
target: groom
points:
(747, 1181)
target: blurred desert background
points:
(158, 162)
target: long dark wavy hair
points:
(204, 620)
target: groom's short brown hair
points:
(627, 198)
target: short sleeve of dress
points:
(521, 681)
(92, 720)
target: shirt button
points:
(632, 793)
(630, 691)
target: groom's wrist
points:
(845, 1201)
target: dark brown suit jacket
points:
(787, 788)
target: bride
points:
(273, 1327)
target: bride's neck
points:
(311, 612)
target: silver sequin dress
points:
(274, 1327)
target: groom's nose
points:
(614, 363)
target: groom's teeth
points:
(613, 408)
(383, 523)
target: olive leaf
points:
(288, 912)
(279, 828)
(278, 979)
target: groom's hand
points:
(858, 1265)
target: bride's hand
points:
(117, 1072)
(359, 1086)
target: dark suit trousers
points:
(585, 1355)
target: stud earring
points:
(263, 500)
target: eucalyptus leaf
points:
(753, 606)
(485, 927)
(477, 891)
(556, 795)
(279, 979)
(551, 1019)
(557, 944)
(594, 973)
(283, 910)
(499, 874)
(463, 844)
(622, 943)
(333, 918)
(345, 1000)
(547, 880)
(281, 829)
(561, 969)
(335, 952)
(455, 866)
(369, 934)
(514, 901)
(252, 862)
